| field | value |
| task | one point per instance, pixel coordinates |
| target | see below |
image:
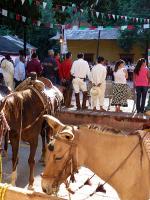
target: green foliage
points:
(127, 39)
(136, 8)
(5, 30)
(39, 36)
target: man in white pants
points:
(98, 79)
(80, 71)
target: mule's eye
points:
(58, 158)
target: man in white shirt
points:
(80, 71)
(98, 79)
(19, 74)
(8, 72)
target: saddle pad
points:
(146, 141)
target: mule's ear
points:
(67, 133)
(56, 125)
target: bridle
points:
(70, 162)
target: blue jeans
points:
(141, 92)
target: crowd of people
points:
(78, 75)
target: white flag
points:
(22, 1)
(44, 5)
(145, 26)
(4, 12)
(38, 23)
(23, 18)
(97, 14)
(123, 28)
(126, 18)
(114, 16)
(63, 8)
(81, 10)
(97, 2)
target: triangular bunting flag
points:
(24, 18)
(4, 12)
(97, 14)
(30, 2)
(38, 23)
(22, 1)
(114, 16)
(126, 18)
(148, 20)
(51, 25)
(18, 17)
(130, 27)
(11, 15)
(81, 10)
(63, 8)
(100, 28)
(44, 5)
(146, 26)
(97, 2)
(137, 19)
(141, 20)
(102, 14)
(123, 28)
(118, 16)
(109, 16)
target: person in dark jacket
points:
(50, 67)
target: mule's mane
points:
(100, 129)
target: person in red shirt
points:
(66, 79)
(34, 65)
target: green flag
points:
(30, 2)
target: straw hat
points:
(94, 91)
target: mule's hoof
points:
(30, 187)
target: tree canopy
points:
(53, 14)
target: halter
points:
(69, 162)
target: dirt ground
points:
(81, 177)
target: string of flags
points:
(38, 23)
(102, 15)
(98, 14)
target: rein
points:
(100, 187)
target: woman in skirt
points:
(120, 89)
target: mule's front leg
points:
(31, 161)
(15, 147)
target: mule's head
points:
(59, 156)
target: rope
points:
(3, 190)
(124, 161)
(1, 168)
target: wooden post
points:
(15, 193)
(99, 35)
